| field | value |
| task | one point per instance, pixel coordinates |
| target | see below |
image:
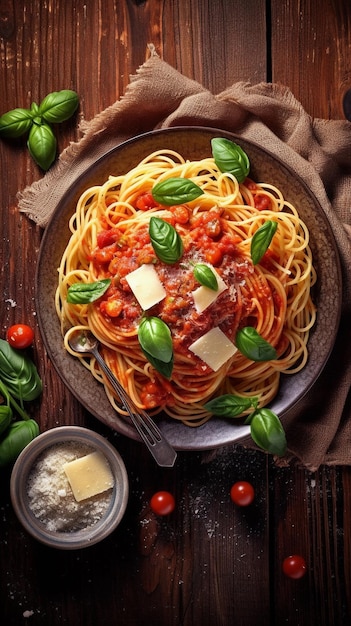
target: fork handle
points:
(158, 445)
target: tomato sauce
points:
(206, 239)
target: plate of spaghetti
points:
(206, 269)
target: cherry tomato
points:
(20, 336)
(242, 493)
(162, 503)
(294, 566)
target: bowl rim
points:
(216, 431)
(23, 466)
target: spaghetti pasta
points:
(110, 239)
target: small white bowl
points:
(25, 463)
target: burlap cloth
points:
(319, 431)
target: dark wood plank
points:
(216, 43)
(309, 523)
(311, 53)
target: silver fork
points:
(83, 341)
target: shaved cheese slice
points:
(146, 286)
(89, 475)
(214, 348)
(204, 296)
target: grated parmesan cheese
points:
(50, 496)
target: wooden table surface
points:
(209, 563)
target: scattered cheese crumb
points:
(11, 302)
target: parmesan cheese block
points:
(214, 348)
(204, 296)
(146, 286)
(89, 475)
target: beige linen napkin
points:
(319, 431)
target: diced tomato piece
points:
(181, 214)
(114, 266)
(104, 255)
(214, 255)
(132, 312)
(262, 202)
(113, 308)
(213, 227)
(146, 256)
(145, 202)
(250, 184)
(227, 244)
(155, 393)
(196, 233)
(150, 395)
(107, 237)
(127, 265)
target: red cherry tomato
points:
(162, 503)
(20, 336)
(294, 566)
(242, 493)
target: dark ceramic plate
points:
(193, 143)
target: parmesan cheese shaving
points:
(204, 296)
(214, 348)
(146, 286)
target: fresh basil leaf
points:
(36, 117)
(230, 158)
(165, 240)
(18, 373)
(42, 145)
(16, 438)
(59, 106)
(160, 366)
(11, 401)
(230, 405)
(176, 191)
(205, 276)
(15, 123)
(253, 346)
(261, 240)
(5, 417)
(155, 338)
(267, 432)
(84, 293)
